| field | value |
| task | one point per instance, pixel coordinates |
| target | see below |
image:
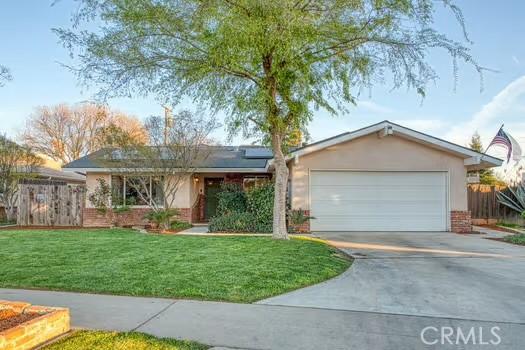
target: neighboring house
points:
(384, 177)
(45, 173)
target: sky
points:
(34, 55)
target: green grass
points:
(7, 223)
(504, 224)
(121, 261)
(90, 340)
(510, 225)
(180, 225)
(515, 239)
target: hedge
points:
(239, 211)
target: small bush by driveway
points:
(119, 261)
(515, 239)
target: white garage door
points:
(378, 201)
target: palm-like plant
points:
(514, 199)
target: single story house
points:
(384, 177)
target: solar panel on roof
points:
(259, 152)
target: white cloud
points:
(488, 119)
(504, 108)
(373, 107)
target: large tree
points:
(268, 63)
(65, 133)
(16, 163)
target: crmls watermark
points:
(456, 336)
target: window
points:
(136, 190)
(254, 181)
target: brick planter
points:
(48, 324)
(460, 221)
(134, 217)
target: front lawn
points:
(89, 340)
(515, 239)
(121, 261)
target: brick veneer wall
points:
(304, 227)
(52, 323)
(460, 221)
(134, 217)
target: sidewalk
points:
(251, 326)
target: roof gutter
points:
(146, 170)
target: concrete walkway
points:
(249, 326)
(195, 230)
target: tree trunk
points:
(10, 214)
(281, 185)
(10, 207)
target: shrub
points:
(513, 198)
(260, 204)
(180, 225)
(100, 197)
(121, 209)
(162, 217)
(240, 211)
(233, 222)
(231, 199)
(296, 218)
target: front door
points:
(212, 186)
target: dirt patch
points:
(470, 233)
(14, 319)
(17, 228)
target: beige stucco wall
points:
(183, 194)
(182, 197)
(373, 153)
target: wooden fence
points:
(50, 204)
(485, 208)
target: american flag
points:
(504, 140)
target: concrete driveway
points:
(424, 274)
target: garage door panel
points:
(368, 223)
(340, 193)
(378, 201)
(364, 178)
(405, 207)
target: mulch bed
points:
(10, 319)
